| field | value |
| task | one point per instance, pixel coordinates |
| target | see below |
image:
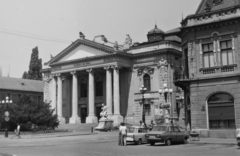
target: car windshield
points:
(159, 128)
(131, 130)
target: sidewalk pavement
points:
(48, 135)
(219, 141)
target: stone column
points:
(59, 100)
(109, 90)
(91, 99)
(117, 118)
(54, 94)
(74, 118)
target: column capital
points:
(116, 67)
(89, 70)
(58, 75)
(73, 72)
(107, 67)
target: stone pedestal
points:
(91, 119)
(75, 119)
(62, 120)
(117, 119)
(104, 125)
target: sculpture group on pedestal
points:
(105, 124)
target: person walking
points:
(122, 135)
(18, 131)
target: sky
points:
(52, 25)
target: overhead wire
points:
(33, 36)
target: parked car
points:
(166, 134)
(136, 134)
(238, 139)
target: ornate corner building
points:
(88, 73)
(210, 78)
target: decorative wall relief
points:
(145, 70)
(163, 69)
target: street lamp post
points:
(7, 101)
(143, 90)
(166, 92)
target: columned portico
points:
(91, 101)
(74, 118)
(109, 90)
(59, 99)
(117, 118)
(54, 94)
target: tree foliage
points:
(28, 112)
(35, 67)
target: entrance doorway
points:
(83, 114)
(221, 111)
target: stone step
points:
(78, 127)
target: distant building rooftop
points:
(21, 84)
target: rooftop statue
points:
(128, 42)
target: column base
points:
(91, 119)
(74, 120)
(117, 119)
(62, 120)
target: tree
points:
(35, 67)
(28, 112)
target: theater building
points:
(89, 73)
(210, 43)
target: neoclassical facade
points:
(88, 74)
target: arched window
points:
(221, 111)
(83, 87)
(99, 86)
(147, 82)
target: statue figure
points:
(116, 46)
(128, 42)
(104, 114)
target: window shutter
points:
(218, 53)
(201, 54)
(233, 50)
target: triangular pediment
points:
(82, 51)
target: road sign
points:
(6, 118)
(6, 113)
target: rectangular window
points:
(226, 52)
(83, 90)
(39, 99)
(147, 109)
(208, 57)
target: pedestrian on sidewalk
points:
(18, 131)
(122, 135)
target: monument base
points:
(74, 120)
(117, 119)
(62, 120)
(104, 125)
(91, 119)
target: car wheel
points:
(139, 142)
(168, 142)
(185, 141)
(152, 143)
